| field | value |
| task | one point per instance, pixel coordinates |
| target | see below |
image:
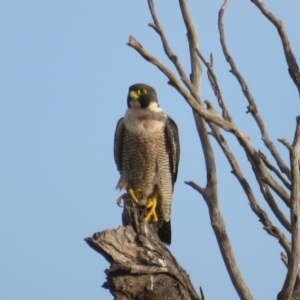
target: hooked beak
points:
(134, 95)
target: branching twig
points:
(262, 215)
(288, 52)
(264, 188)
(295, 221)
(218, 225)
(190, 90)
(210, 192)
(215, 86)
(252, 108)
(285, 143)
(272, 168)
(284, 259)
(273, 205)
(158, 28)
(193, 44)
(214, 117)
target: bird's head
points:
(141, 95)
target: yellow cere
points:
(134, 95)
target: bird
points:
(146, 152)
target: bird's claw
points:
(119, 200)
(135, 194)
(151, 214)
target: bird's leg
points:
(151, 204)
(134, 194)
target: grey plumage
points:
(146, 150)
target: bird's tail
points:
(164, 232)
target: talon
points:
(119, 200)
(132, 193)
(152, 202)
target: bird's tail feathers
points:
(164, 232)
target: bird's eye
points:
(142, 91)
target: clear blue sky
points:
(64, 74)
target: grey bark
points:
(141, 266)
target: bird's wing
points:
(118, 142)
(173, 147)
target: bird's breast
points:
(144, 123)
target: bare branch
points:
(295, 221)
(226, 115)
(195, 80)
(210, 192)
(158, 28)
(211, 198)
(219, 228)
(296, 290)
(259, 165)
(285, 143)
(193, 44)
(272, 168)
(194, 84)
(272, 204)
(288, 52)
(284, 259)
(268, 196)
(252, 108)
(195, 186)
(262, 215)
(214, 117)
(215, 86)
(195, 77)
(171, 76)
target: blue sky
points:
(65, 70)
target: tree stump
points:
(141, 266)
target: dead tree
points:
(143, 268)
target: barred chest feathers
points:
(144, 122)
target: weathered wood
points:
(294, 257)
(141, 266)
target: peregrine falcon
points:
(146, 151)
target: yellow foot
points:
(152, 202)
(134, 193)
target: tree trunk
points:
(141, 266)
